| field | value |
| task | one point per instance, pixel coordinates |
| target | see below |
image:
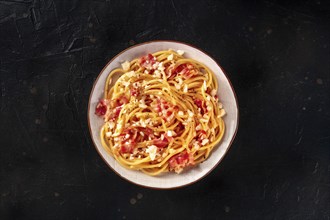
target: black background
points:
(277, 55)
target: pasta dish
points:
(161, 113)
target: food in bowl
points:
(161, 113)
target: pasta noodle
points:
(161, 114)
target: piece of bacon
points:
(181, 160)
(127, 147)
(179, 129)
(115, 107)
(127, 143)
(118, 101)
(116, 112)
(160, 143)
(101, 108)
(165, 109)
(134, 92)
(185, 70)
(148, 61)
(201, 105)
(147, 131)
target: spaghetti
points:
(161, 114)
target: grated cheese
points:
(108, 134)
(126, 65)
(155, 66)
(204, 85)
(222, 112)
(205, 141)
(157, 74)
(143, 106)
(180, 52)
(213, 92)
(196, 145)
(204, 120)
(152, 150)
(170, 133)
(180, 81)
(125, 83)
(143, 123)
(170, 57)
(130, 74)
(111, 124)
(161, 67)
(185, 89)
(190, 113)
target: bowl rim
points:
(138, 45)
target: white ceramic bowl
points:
(227, 98)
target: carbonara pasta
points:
(161, 113)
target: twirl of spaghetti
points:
(161, 114)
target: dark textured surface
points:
(277, 56)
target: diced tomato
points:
(147, 61)
(101, 108)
